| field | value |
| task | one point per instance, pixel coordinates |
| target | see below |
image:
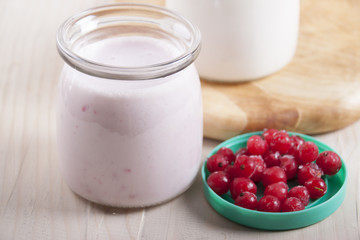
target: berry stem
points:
(319, 189)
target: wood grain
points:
(319, 91)
(36, 204)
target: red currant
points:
(280, 142)
(292, 204)
(244, 166)
(301, 193)
(219, 182)
(217, 162)
(268, 134)
(316, 187)
(239, 185)
(272, 159)
(279, 190)
(329, 162)
(256, 145)
(273, 175)
(296, 142)
(269, 203)
(230, 171)
(259, 168)
(308, 152)
(242, 151)
(228, 153)
(308, 171)
(247, 200)
(288, 163)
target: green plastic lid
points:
(316, 210)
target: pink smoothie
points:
(129, 143)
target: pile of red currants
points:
(273, 159)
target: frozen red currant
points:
(301, 193)
(230, 171)
(269, 203)
(329, 162)
(316, 187)
(296, 142)
(288, 163)
(256, 145)
(244, 166)
(292, 204)
(273, 175)
(308, 152)
(228, 153)
(219, 182)
(308, 171)
(268, 134)
(280, 142)
(279, 190)
(272, 159)
(259, 168)
(239, 185)
(242, 151)
(246, 200)
(217, 162)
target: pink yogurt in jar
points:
(129, 120)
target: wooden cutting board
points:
(319, 91)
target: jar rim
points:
(145, 72)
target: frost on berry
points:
(308, 171)
(268, 134)
(260, 167)
(308, 152)
(292, 204)
(256, 145)
(269, 203)
(279, 190)
(301, 193)
(280, 142)
(288, 163)
(242, 151)
(272, 159)
(296, 142)
(273, 175)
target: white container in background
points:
(242, 39)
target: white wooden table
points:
(36, 204)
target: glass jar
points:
(129, 113)
(242, 40)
